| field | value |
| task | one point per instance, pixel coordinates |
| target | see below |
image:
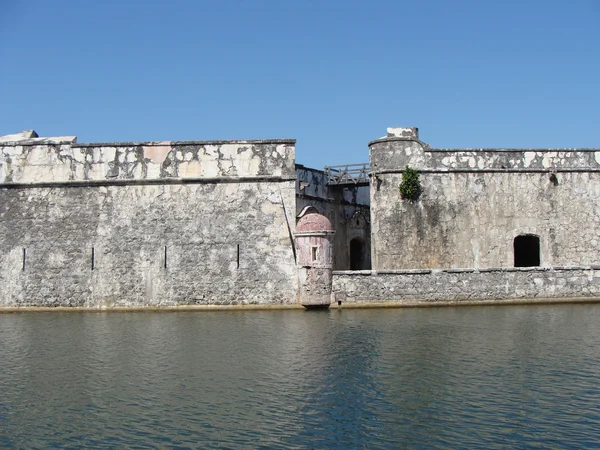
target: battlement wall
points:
(38, 161)
(392, 154)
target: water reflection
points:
(467, 377)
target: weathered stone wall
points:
(222, 214)
(347, 207)
(31, 162)
(466, 285)
(475, 202)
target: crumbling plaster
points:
(54, 163)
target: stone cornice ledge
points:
(144, 181)
(181, 143)
(464, 270)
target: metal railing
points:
(348, 174)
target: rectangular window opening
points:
(165, 259)
(238, 256)
(93, 258)
(314, 254)
(24, 258)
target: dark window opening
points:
(314, 253)
(527, 251)
(358, 254)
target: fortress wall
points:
(471, 220)
(414, 286)
(22, 163)
(474, 203)
(128, 223)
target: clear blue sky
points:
(332, 74)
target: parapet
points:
(25, 158)
(402, 147)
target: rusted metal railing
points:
(348, 174)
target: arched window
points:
(527, 250)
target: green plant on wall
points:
(410, 188)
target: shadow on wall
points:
(359, 254)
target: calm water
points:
(488, 377)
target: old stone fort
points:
(166, 224)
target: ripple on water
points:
(439, 378)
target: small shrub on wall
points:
(410, 188)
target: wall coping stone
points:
(464, 270)
(520, 269)
(404, 272)
(355, 272)
(517, 170)
(398, 138)
(180, 143)
(459, 270)
(383, 272)
(509, 150)
(32, 143)
(472, 302)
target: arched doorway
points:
(358, 254)
(527, 250)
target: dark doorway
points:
(358, 259)
(527, 250)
